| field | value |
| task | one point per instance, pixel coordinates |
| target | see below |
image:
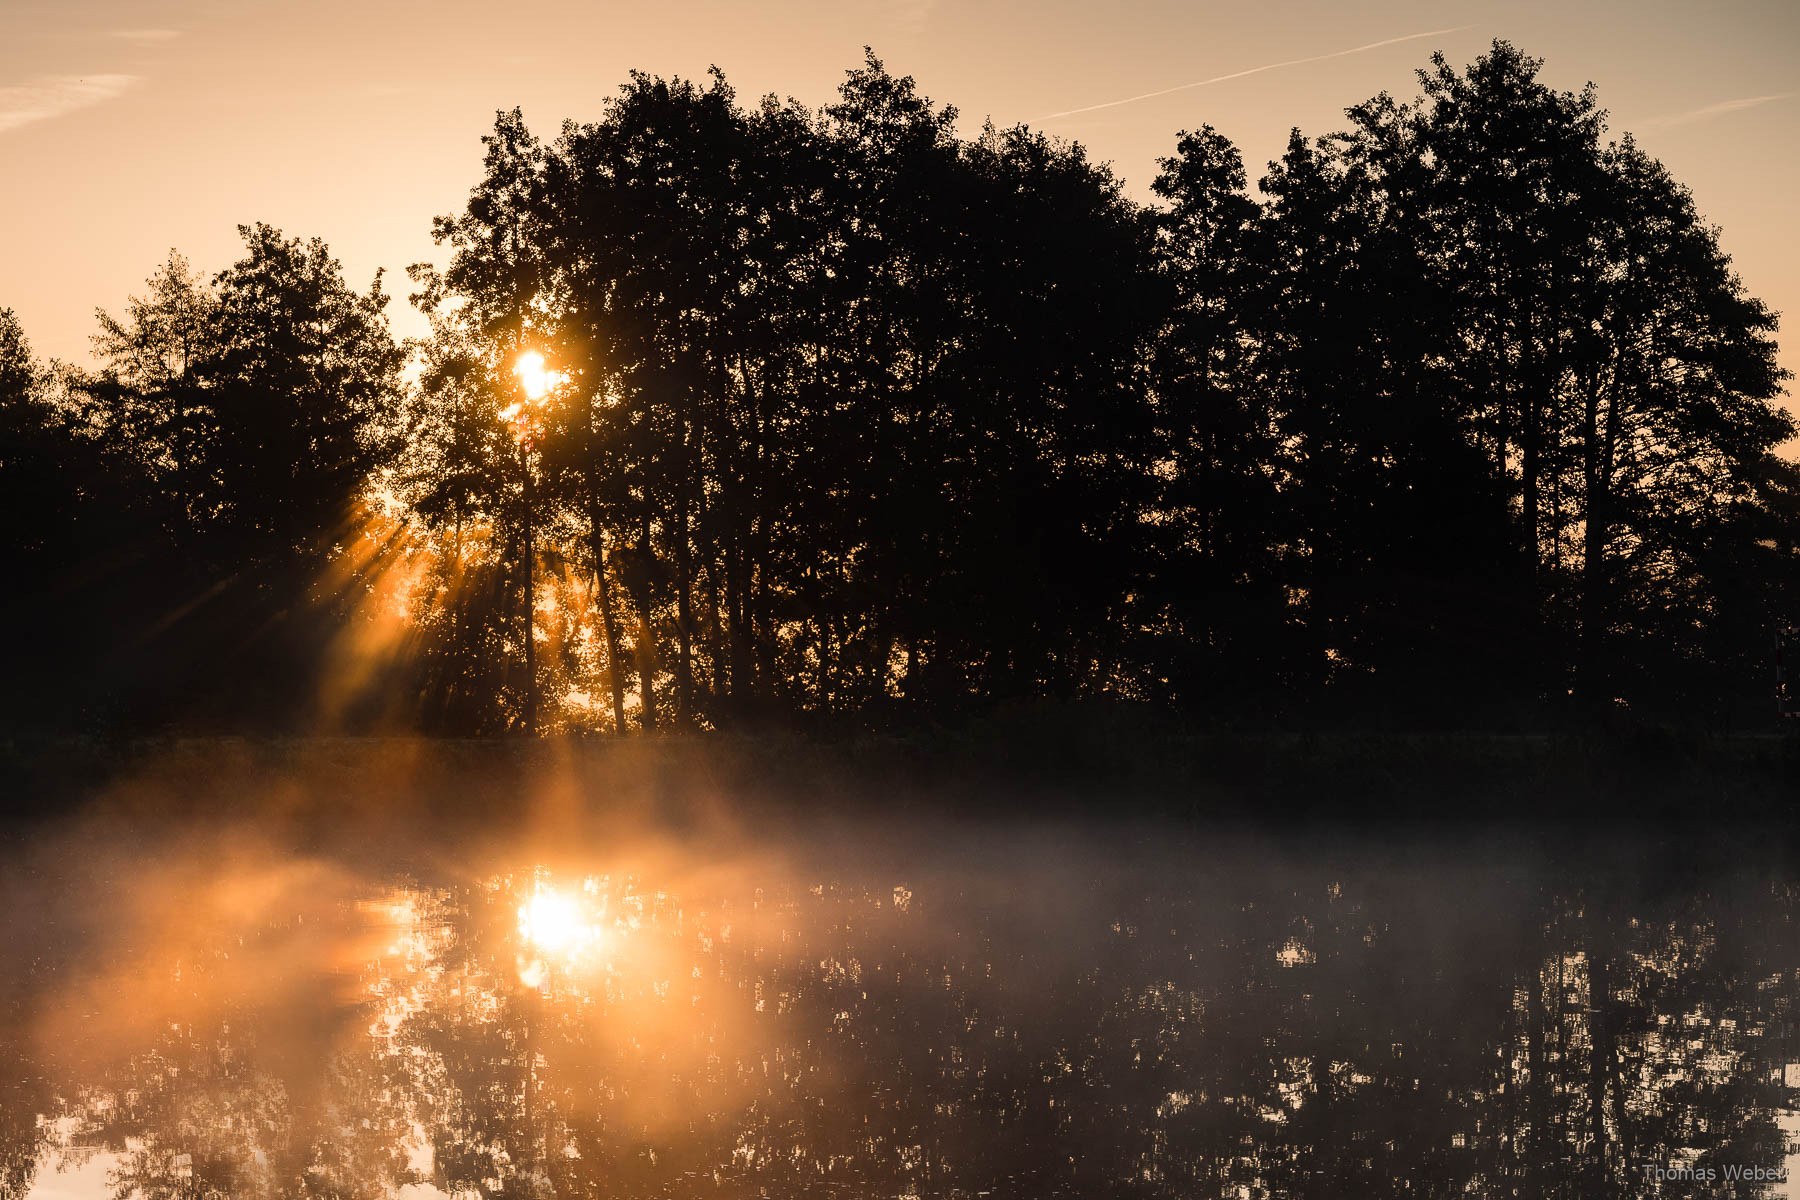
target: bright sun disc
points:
(550, 921)
(532, 376)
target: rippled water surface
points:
(1009, 1009)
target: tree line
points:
(740, 413)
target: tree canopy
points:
(747, 412)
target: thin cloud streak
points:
(1292, 62)
(57, 95)
(1716, 110)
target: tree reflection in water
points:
(1129, 1024)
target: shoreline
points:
(1149, 771)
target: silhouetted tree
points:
(151, 397)
(1225, 626)
(303, 381)
(1404, 538)
(200, 483)
(850, 419)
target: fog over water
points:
(624, 986)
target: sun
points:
(550, 922)
(534, 377)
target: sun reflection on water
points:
(550, 922)
(547, 1030)
(562, 928)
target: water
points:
(924, 1009)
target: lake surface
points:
(1010, 1008)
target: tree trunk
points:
(608, 622)
(762, 636)
(684, 622)
(646, 660)
(530, 605)
(638, 582)
(1531, 467)
(1593, 549)
(718, 665)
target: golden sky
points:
(127, 128)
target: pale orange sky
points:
(130, 127)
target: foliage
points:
(850, 420)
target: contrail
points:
(1717, 110)
(55, 95)
(1292, 62)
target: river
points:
(904, 1007)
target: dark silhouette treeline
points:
(173, 518)
(1460, 418)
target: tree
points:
(152, 395)
(216, 460)
(849, 419)
(1670, 445)
(305, 378)
(1228, 537)
(36, 494)
(1513, 183)
(455, 473)
(18, 371)
(1405, 531)
(480, 462)
(81, 544)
